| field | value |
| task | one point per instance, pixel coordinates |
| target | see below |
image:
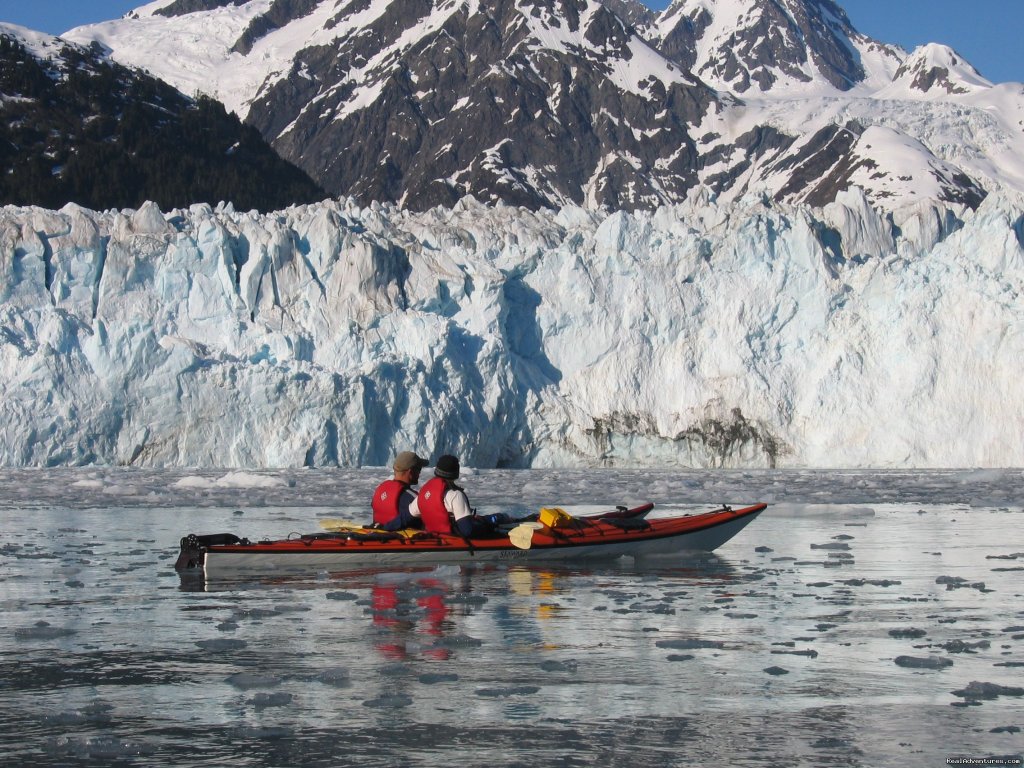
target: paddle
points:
(335, 524)
(522, 535)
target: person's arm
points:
(458, 504)
(406, 503)
(467, 522)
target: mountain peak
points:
(935, 68)
(752, 46)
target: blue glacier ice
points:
(740, 334)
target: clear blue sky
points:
(988, 33)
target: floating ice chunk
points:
(961, 646)
(872, 582)
(505, 692)
(221, 644)
(335, 676)
(432, 678)
(236, 479)
(102, 748)
(278, 699)
(94, 713)
(248, 680)
(341, 596)
(689, 644)
(42, 630)
(569, 665)
(250, 480)
(459, 641)
(911, 633)
(389, 701)
(977, 690)
(956, 582)
(926, 662)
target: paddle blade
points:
(522, 535)
(334, 524)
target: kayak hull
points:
(583, 540)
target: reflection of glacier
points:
(747, 334)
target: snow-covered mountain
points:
(545, 103)
(704, 334)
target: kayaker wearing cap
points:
(444, 507)
(392, 499)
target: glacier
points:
(740, 333)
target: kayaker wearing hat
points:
(392, 499)
(444, 506)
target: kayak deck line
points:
(620, 533)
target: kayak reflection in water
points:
(444, 506)
(393, 613)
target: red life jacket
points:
(432, 509)
(385, 501)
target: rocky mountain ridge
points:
(76, 126)
(544, 103)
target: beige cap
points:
(407, 460)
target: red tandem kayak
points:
(615, 534)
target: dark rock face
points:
(926, 78)
(760, 142)
(480, 106)
(632, 12)
(182, 7)
(814, 167)
(76, 127)
(278, 15)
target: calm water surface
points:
(879, 624)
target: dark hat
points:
(407, 460)
(447, 467)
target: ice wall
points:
(748, 334)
